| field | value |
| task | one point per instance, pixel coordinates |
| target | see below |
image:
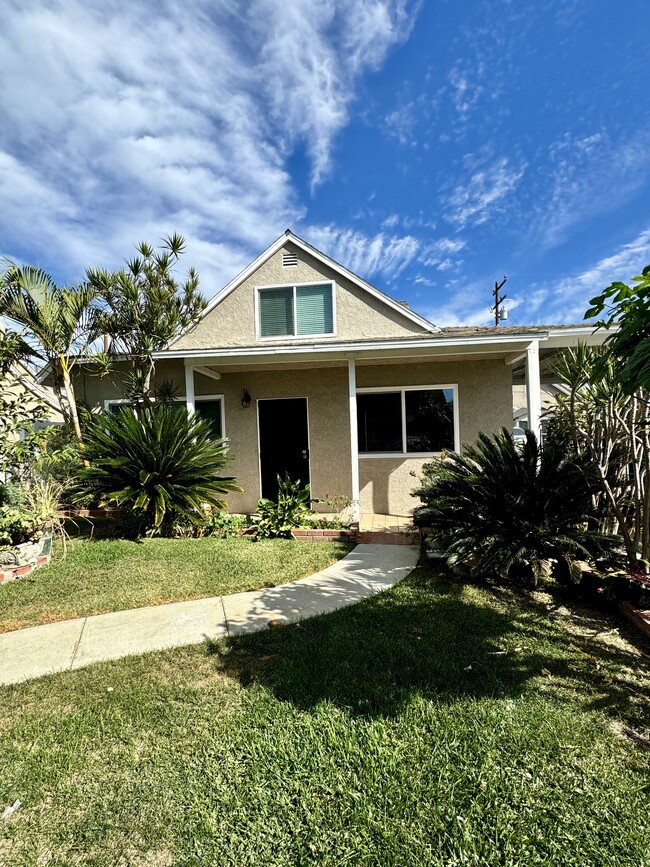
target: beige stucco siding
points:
(357, 313)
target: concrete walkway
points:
(70, 644)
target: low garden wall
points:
(22, 559)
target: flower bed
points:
(22, 559)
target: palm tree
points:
(59, 319)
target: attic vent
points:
(289, 259)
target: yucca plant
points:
(510, 509)
(162, 465)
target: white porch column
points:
(354, 443)
(533, 387)
(189, 389)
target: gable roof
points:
(325, 260)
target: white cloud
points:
(440, 253)
(568, 299)
(587, 176)
(380, 254)
(124, 121)
(483, 196)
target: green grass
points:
(394, 732)
(101, 575)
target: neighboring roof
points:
(326, 260)
(512, 329)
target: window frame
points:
(294, 336)
(401, 390)
(180, 399)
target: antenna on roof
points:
(499, 313)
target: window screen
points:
(429, 420)
(276, 312)
(314, 309)
(379, 422)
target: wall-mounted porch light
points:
(245, 399)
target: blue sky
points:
(431, 147)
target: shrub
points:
(291, 510)
(224, 524)
(510, 510)
(18, 525)
(163, 465)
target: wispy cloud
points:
(484, 195)
(383, 254)
(465, 303)
(441, 253)
(568, 299)
(588, 175)
(119, 113)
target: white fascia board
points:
(565, 337)
(410, 348)
(326, 260)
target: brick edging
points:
(641, 619)
(10, 573)
(316, 535)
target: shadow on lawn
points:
(425, 639)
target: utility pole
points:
(498, 300)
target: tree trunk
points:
(69, 392)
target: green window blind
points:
(276, 312)
(314, 309)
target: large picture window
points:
(296, 311)
(406, 421)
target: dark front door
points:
(284, 442)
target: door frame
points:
(259, 439)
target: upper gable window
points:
(296, 311)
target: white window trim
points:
(181, 399)
(401, 390)
(294, 286)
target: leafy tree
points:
(59, 319)
(629, 345)
(509, 510)
(162, 464)
(145, 307)
(20, 408)
(609, 428)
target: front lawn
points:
(101, 575)
(435, 724)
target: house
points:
(308, 369)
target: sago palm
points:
(162, 465)
(508, 510)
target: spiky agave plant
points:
(510, 509)
(162, 465)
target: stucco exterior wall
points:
(357, 313)
(484, 401)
